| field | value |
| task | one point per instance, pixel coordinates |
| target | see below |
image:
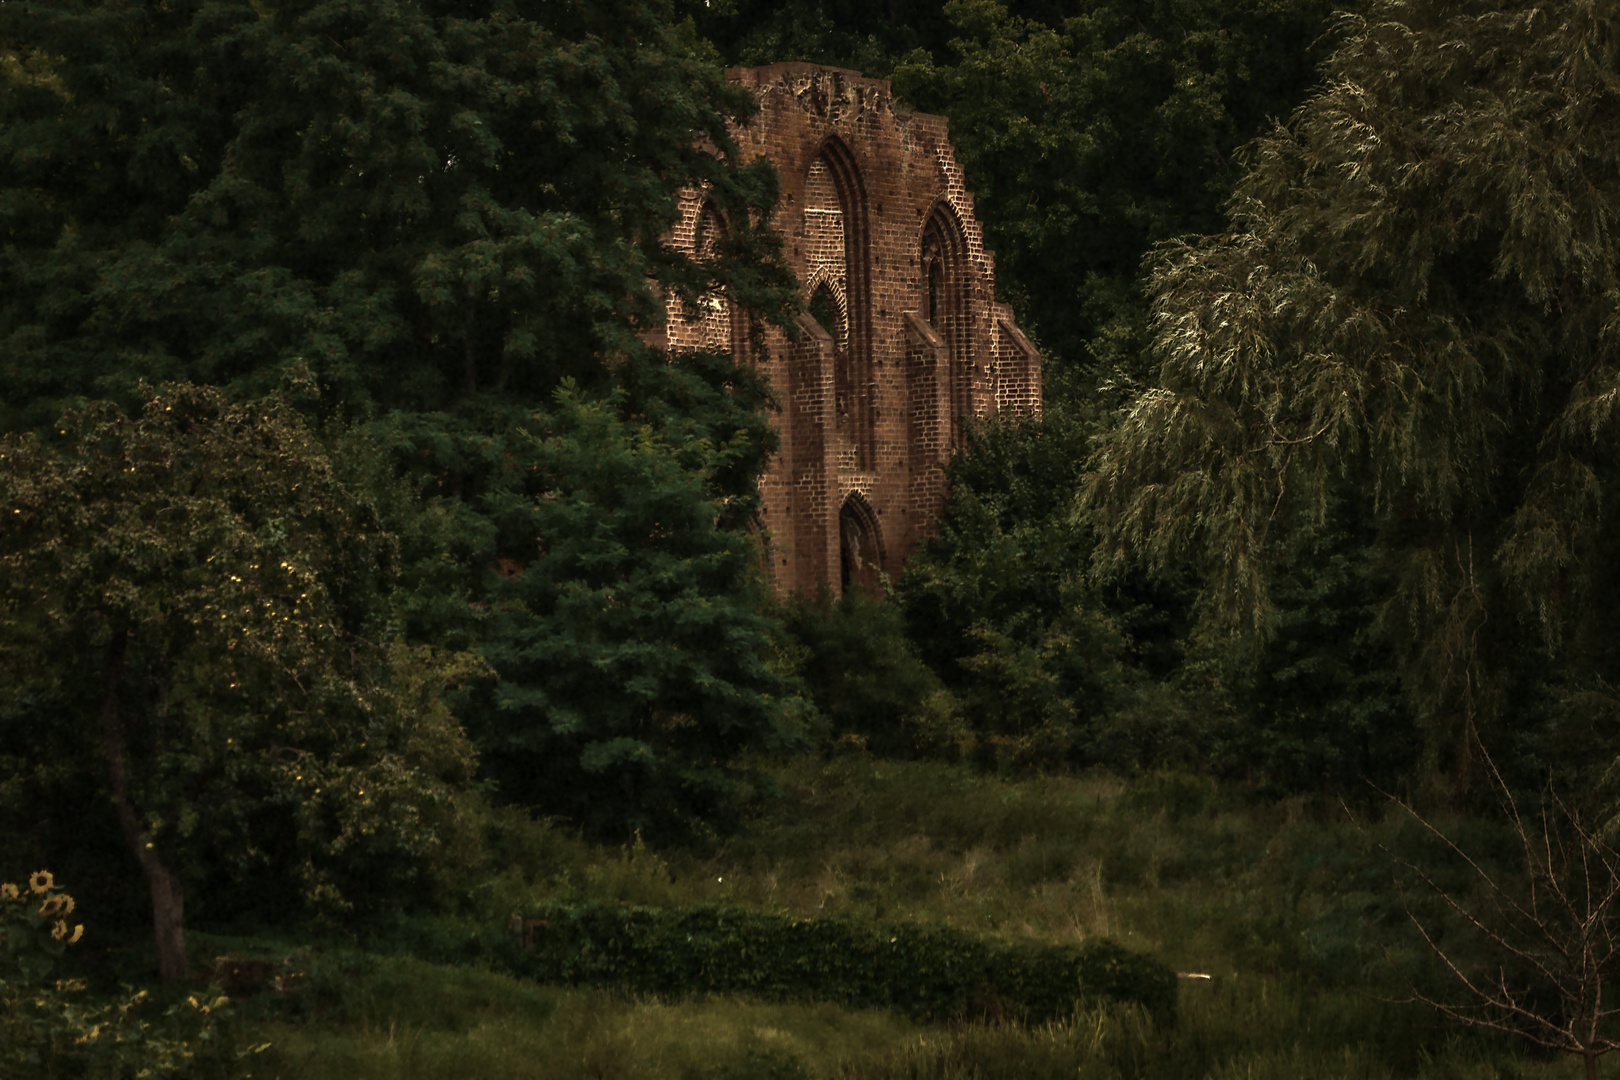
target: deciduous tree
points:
(421, 200)
(441, 210)
(1414, 304)
(627, 630)
(191, 607)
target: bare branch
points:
(1556, 924)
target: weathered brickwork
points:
(904, 344)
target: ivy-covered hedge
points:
(925, 972)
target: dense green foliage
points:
(630, 644)
(438, 214)
(929, 973)
(1409, 323)
(1321, 704)
(863, 675)
(419, 200)
(843, 33)
(1093, 130)
(1051, 661)
(196, 641)
(1000, 606)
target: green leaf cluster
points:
(926, 972)
(862, 673)
(870, 38)
(628, 630)
(999, 604)
(598, 553)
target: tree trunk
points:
(1591, 1059)
(168, 897)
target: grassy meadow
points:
(1286, 906)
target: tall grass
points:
(406, 1019)
(1286, 905)
(415, 1021)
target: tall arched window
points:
(944, 303)
(835, 235)
(717, 329)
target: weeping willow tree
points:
(1415, 319)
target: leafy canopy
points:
(443, 211)
(627, 629)
(421, 200)
(197, 578)
(1414, 308)
(1090, 130)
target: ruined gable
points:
(904, 344)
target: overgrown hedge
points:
(925, 972)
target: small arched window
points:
(860, 546)
(826, 310)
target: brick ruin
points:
(903, 344)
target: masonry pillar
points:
(1017, 382)
(809, 449)
(928, 388)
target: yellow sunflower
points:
(8, 891)
(59, 931)
(57, 906)
(42, 881)
(78, 932)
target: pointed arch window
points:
(836, 238)
(861, 558)
(944, 303)
(828, 309)
(717, 329)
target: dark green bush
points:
(860, 670)
(925, 972)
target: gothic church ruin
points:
(903, 344)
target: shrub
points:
(925, 972)
(862, 673)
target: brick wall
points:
(881, 233)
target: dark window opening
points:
(860, 561)
(824, 309)
(936, 293)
